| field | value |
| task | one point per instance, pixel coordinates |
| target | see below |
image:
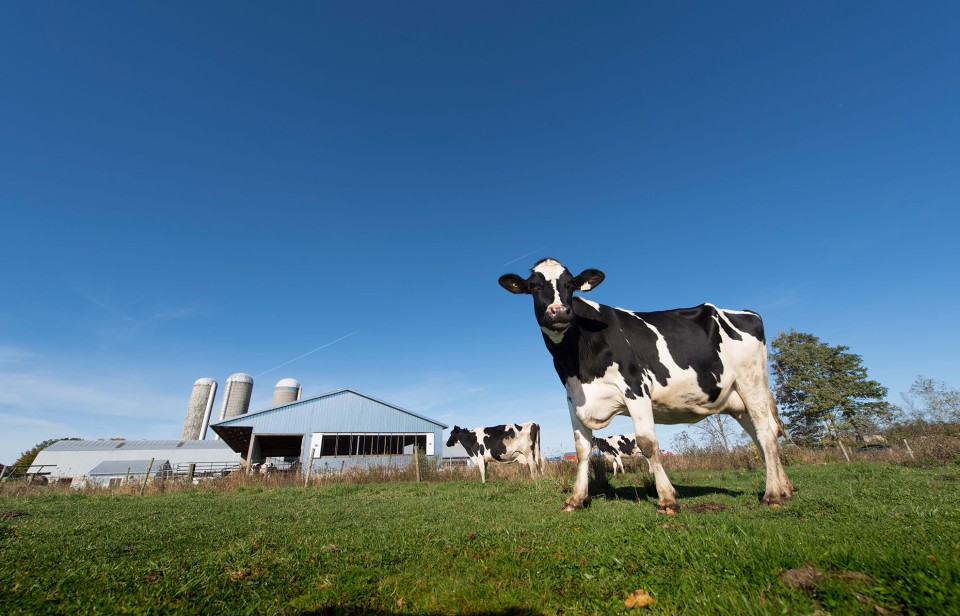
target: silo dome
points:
(236, 395)
(286, 391)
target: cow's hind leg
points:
(532, 464)
(641, 411)
(760, 423)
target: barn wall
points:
(342, 412)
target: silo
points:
(198, 409)
(285, 392)
(236, 395)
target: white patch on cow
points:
(555, 335)
(596, 403)
(681, 400)
(590, 303)
(552, 270)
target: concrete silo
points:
(236, 395)
(199, 409)
(285, 392)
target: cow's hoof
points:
(668, 509)
(773, 501)
(571, 505)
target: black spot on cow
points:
(748, 322)
(729, 331)
(495, 439)
(696, 347)
(466, 438)
(646, 446)
(626, 445)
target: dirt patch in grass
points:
(701, 507)
(9, 515)
(808, 577)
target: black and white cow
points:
(672, 366)
(615, 448)
(510, 443)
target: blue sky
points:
(193, 190)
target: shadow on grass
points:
(644, 492)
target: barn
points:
(340, 429)
(106, 462)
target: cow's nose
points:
(558, 310)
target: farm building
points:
(340, 429)
(107, 461)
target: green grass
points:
(872, 537)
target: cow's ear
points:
(588, 279)
(514, 283)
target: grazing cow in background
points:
(615, 448)
(509, 443)
(671, 366)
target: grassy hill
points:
(859, 538)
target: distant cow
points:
(615, 448)
(510, 443)
(672, 366)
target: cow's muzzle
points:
(558, 314)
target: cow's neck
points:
(565, 351)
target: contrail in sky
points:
(525, 256)
(305, 354)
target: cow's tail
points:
(781, 431)
(778, 427)
(535, 437)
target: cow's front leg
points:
(582, 441)
(641, 411)
(481, 464)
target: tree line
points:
(824, 393)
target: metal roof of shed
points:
(133, 467)
(328, 395)
(109, 445)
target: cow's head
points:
(454, 436)
(552, 286)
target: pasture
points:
(863, 538)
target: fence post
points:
(190, 471)
(844, 450)
(416, 461)
(909, 451)
(147, 476)
(306, 476)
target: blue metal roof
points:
(311, 402)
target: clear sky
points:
(197, 189)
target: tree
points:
(715, 430)
(823, 390)
(932, 400)
(28, 456)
